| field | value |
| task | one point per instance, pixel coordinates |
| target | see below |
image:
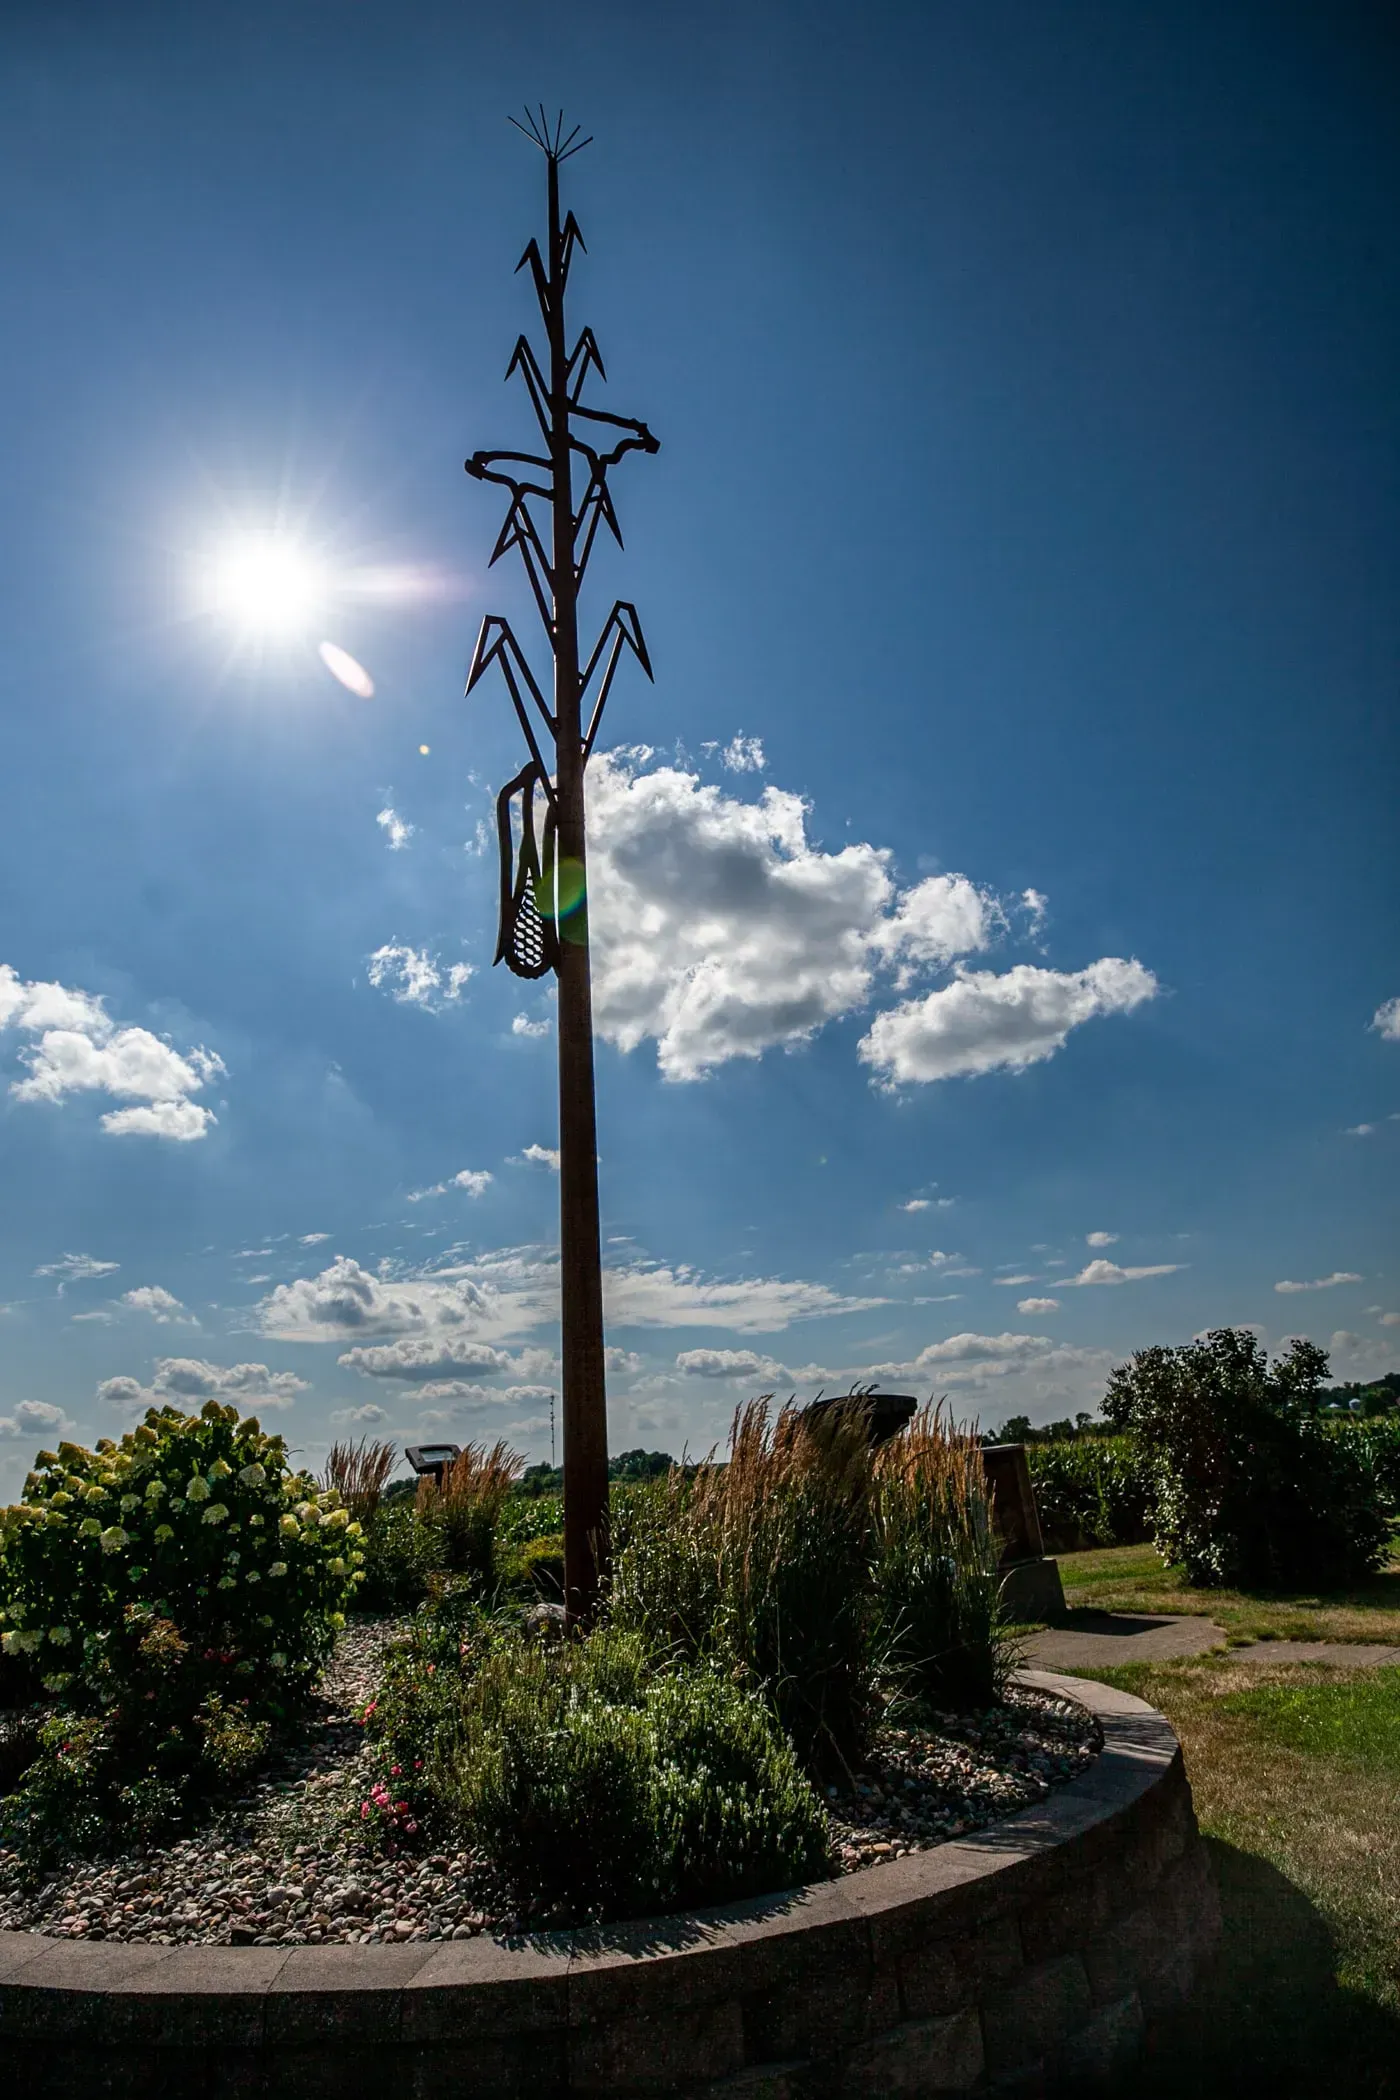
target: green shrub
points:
(175, 1591)
(1091, 1491)
(402, 1554)
(934, 1567)
(529, 1517)
(1248, 1487)
(1377, 1438)
(533, 1568)
(763, 1566)
(611, 1792)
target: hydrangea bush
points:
(178, 1589)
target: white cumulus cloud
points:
(417, 1360)
(1100, 1239)
(541, 1156)
(531, 1030)
(743, 754)
(515, 1291)
(80, 1049)
(985, 1022)
(915, 1203)
(32, 1418)
(721, 931)
(1037, 1305)
(1386, 1020)
(188, 1381)
(1109, 1272)
(730, 1363)
(161, 1304)
(413, 977)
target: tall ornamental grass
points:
(762, 1566)
(466, 1509)
(357, 1472)
(934, 1566)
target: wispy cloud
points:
(1321, 1283)
(472, 1181)
(75, 1268)
(396, 833)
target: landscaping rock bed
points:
(284, 1864)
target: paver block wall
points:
(1026, 1957)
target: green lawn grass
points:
(1133, 1578)
(1295, 1770)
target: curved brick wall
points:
(1023, 1957)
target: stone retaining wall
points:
(1024, 1958)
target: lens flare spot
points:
(423, 750)
(342, 665)
(570, 886)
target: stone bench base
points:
(1025, 1957)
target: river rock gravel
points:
(285, 1865)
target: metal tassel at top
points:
(527, 942)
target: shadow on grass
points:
(1270, 2017)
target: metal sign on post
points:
(544, 887)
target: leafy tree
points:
(1248, 1486)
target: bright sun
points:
(268, 582)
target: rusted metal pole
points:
(585, 1401)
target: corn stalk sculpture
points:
(544, 880)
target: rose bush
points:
(176, 1590)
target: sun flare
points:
(268, 582)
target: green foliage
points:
(1248, 1486)
(402, 1554)
(527, 1516)
(609, 1791)
(1377, 1438)
(533, 1568)
(175, 1591)
(934, 1567)
(1091, 1491)
(763, 1567)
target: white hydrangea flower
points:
(216, 1513)
(198, 1490)
(279, 1567)
(60, 1635)
(113, 1539)
(253, 1475)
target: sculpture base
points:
(1032, 1593)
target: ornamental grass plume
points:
(762, 1565)
(468, 1506)
(358, 1472)
(934, 1564)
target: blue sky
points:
(994, 897)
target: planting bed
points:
(284, 1866)
(1032, 1952)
